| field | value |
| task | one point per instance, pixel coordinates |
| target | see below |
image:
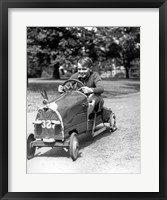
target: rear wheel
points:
(74, 146)
(112, 122)
(30, 148)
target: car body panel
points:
(70, 109)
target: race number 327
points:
(47, 124)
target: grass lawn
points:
(113, 89)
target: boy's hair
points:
(85, 62)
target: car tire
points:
(74, 146)
(112, 122)
(30, 148)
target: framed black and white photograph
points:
(83, 99)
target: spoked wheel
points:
(30, 148)
(112, 122)
(74, 146)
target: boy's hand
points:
(87, 90)
(60, 89)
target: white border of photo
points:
(148, 179)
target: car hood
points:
(69, 104)
(65, 107)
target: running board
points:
(99, 131)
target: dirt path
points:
(118, 152)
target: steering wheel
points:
(73, 84)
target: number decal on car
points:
(47, 124)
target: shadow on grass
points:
(123, 88)
(46, 86)
(112, 88)
(135, 86)
(86, 140)
(54, 152)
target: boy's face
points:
(83, 71)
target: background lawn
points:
(113, 89)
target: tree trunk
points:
(56, 73)
(127, 68)
(127, 72)
(39, 73)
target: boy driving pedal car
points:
(92, 83)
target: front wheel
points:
(74, 146)
(112, 122)
(30, 148)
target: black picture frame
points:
(4, 5)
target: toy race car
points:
(60, 122)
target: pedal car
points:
(59, 122)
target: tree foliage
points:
(52, 47)
(121, 43)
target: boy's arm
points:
(98, 83)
